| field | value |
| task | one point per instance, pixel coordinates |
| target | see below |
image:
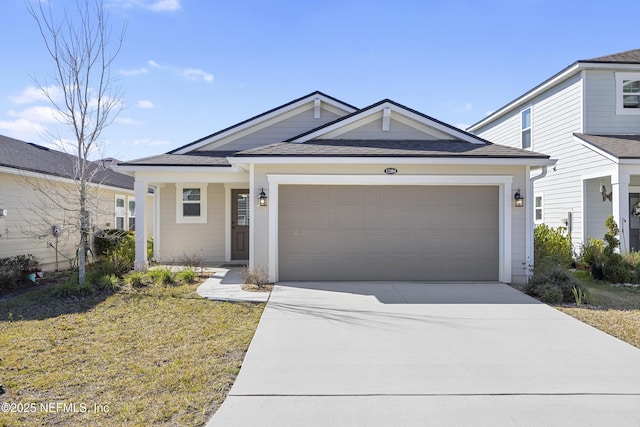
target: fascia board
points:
(169, 169)
(266, 120)
(474, 161)
(596, 149)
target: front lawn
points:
(614, 309)
(153, 356)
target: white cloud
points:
(38, 114)
(155, 64)
(127, 121)
(195, 74)
(152, 5)
(32, 94)
(145, 104)
(468, 106)
(134, 72)
(22, 129)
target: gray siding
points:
(600, 106)
(556, 115)
(277, 131)
(397, 131)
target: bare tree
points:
(80, 47)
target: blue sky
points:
(191, 67)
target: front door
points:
(239, 224)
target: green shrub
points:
(616, 269)
(186, 276)
(551, 246)
(14, 270)
(108, 283)
(593, 252)
(71, 288)
(554, 286)
(161, 276)
(136, 279)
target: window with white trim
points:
(191, 203)
(120, 212)
(628, 93)
(131, 213)
(526, 128)
(538, 204)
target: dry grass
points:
(622, 324)
(614, 310)
(160, 356)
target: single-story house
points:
(317, 189)
(36, 183)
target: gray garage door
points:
(388, 232)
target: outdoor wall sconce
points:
(3, 212)
(605, 196)
(518, 199)
(262, 198)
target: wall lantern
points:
(262, 198)
(3, 212)
(518, 199)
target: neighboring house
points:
(317, 189)
(587, 117)
(35, 181)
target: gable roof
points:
(399, 108)
(627, 59)
(195, 158)
(260, 118)
(620, 146)
(389, 148)
(29, 157)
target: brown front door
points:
(239, 224)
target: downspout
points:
(530, 223)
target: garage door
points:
(356, 232)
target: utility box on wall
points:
(3, 222)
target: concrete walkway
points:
(411, 354)
(225, 285)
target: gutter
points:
(530, 223)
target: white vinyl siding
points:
(600, 106)
(558, 115)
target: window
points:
(132, 213)
(537, 209)
(191, 203)
(628, 93)
(526, 128)
(120, 212)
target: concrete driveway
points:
(425, 354)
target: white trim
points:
(596, 149)
(266, 120)
(252, 217)
(502, 181)
(156, 222)
(377, 112)
(620, 110)
(535, 196)
(202, 219)
(565, 74)
(127, 169)
(474, 161)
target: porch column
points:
(620, 193)
(140, 188)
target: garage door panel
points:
(388, 233)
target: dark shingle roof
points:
(30, 157)
(620, 146)
(627, 57)
(195, 158)
(386, 148)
